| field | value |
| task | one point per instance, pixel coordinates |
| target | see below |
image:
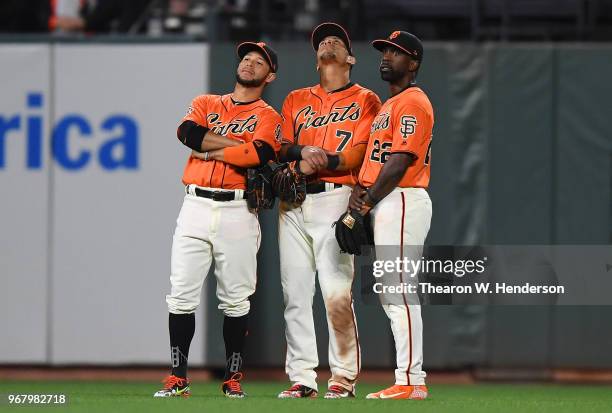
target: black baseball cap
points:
(266, 51)
(406, 42)
(330, 29)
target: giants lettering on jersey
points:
(381, 122)
(235, 127)
(306, 118)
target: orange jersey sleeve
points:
(197, 111)
(412, 126)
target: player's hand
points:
(315, 157)
(356, 201)
(306, 169)
(217, 154)
(199, 155)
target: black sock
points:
(182, 327)
(234, 334)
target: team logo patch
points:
(189, 111)
(394, 35)
(407, 123)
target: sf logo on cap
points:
(394, 34)
(261, 44)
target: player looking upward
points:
(325, 128)
(227, 134)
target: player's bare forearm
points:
(390, 175)
(201, 139)
(213, 141)
(215, 155)
(245, 155)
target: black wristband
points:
(191, 135)
(265, 152)
(294, 153)
(333, 161)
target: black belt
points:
(222, 196)
(318, 187)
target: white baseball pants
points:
(308, 246)
(226, 232)
(402, 219)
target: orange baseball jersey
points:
(404, 124)
(333, 121)
(245, 122)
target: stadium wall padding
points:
(86, 233)
(521, 155)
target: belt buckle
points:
(217, 196)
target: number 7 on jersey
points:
(345, 136)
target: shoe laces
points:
(234, 382)
(171, 381)
(295, 387)
(334, 388)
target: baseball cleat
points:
(298, 391)
(338, 392)
(232, 388)
(398, 391)
(174, 387)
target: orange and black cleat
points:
(174, 387)
(232, 388)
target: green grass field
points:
(131, 397)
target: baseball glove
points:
(260, 194)
(290, 184)
(353, 231)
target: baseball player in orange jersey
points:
(227, 134)
(325, 127)
(392, 187)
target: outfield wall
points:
(86, 223)
(521, 154)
